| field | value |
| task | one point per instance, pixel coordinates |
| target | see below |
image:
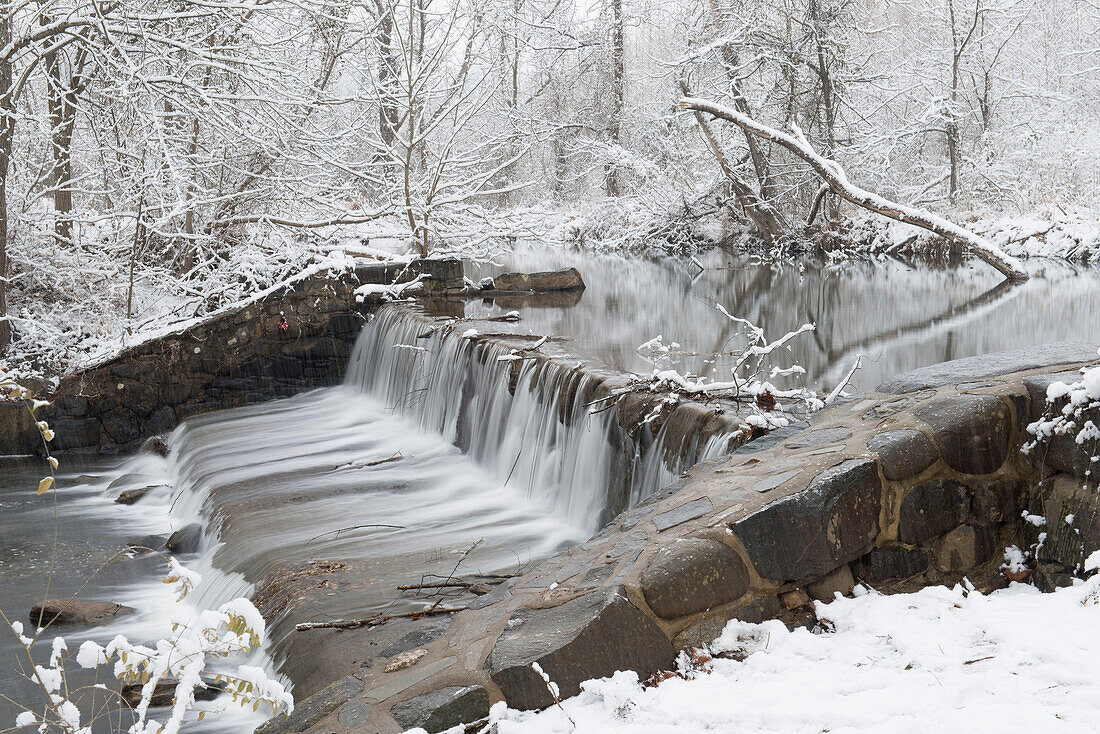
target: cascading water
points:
(433, 446)
(537, 434)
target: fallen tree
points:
(839, 184)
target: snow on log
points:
(839, 184)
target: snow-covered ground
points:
(939, 660)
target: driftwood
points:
(839, 184)
(381, 619)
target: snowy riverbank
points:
(945, 660)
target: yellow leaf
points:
(202, 715)
(44, 485)
(53, 462)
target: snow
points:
(90, 655)
(944, 660)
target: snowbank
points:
(939, 660)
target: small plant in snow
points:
(180, 661)
(1080, 402)
(750, 383)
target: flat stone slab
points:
(769, 483)
(683, 513)
(971, 369)
(313, 709)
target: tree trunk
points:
(615, 121)
(7, 128)
(838, 183)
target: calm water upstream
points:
(294, 481)
(898, 316)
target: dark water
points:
(898, 315)
(92, 532)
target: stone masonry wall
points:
(919, 483)
(295, 337)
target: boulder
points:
(831, 522)
(147, 543)
(891, 562)
(186, 539)
(903, 453)
(931, 509)
(164, 692)
(591, 636)
(839, 581)
(130, 496)
(554, 280)
(964, 548)
(72, 611)
(692, 576)
(972, 432)
(1069, 543)
(443, 708)
(998, 501)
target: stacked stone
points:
(920, 483)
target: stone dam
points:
(677, 518)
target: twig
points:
(446, 585)
(381, 619)
(355, 527)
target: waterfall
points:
(528, 423)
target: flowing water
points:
(425, 452)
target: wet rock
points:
(186, 539)
(555, 280)
(903, 453)
(442, 709)
(972, 432)
(130, 496)
(308, 712)
(989, 365)
(964, 548)
(164, 693)
(809, 533)
(157, 445)
(175, 393)
(147, 543)
(891, 562)
(71, 611)
(693, 576)
(591, 636)
(931, 509)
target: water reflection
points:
(899, 315)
